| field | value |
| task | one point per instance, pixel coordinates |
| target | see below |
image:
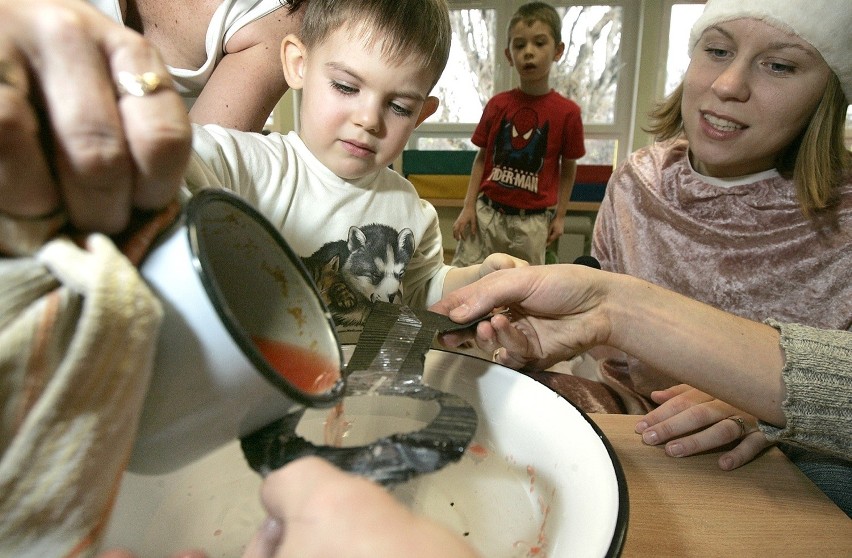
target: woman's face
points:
(749, 91)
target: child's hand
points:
(500, 261)
(557, 228)
(465, 223)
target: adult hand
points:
(68, 142)
(554, 313)
(317, 510)
(690, 421)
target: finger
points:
(27, 188)
(509, 336)
(517, 349)
(661, 396)
(129, 152)
(710, 438)
(683, 404)
(156, 127)
(92, 159)
(745, 451)
(266, 540)
(690, 419)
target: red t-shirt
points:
(524, 137)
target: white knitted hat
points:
(825, 24)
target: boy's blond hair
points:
(419, 28)
(538, 11)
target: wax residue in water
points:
(302, 368)
(336, 426)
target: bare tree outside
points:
(588, 71)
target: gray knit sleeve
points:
(818, 377)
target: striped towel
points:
(78, 333)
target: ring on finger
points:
(496, 355)
(140, 85)
(741, 423)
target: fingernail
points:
(641, 427)
(726, 463)
(649, 437)
(674, 450)
(461, 311)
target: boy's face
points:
(357, 109)
(532, 50)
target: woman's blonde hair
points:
(817, 160)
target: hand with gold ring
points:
(690, 421)
(70, 144)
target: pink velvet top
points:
(746, 249)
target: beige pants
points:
(524, 237)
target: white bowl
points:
(539, 478)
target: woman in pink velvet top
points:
(744, 202)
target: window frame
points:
(620, 130)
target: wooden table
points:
(690, 507)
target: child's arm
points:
(567, 174)
(467, 217)
(460, 276)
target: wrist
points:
(626, 303)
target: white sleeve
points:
(254, 166)
(424, 276)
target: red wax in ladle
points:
(304, 369)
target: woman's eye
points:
(717, 52)
(779, 68)
(343, 88)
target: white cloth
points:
(314, 209)
(229, 17)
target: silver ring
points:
(741, 423)
(139, 85)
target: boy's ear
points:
(508, 54)
(430, 105)
(560, 50)
(293, 61)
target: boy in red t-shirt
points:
(529, 139)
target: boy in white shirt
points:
(365, 70)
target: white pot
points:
(226, 278)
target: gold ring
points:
(741, 423)
(139, 85)
(23, 236)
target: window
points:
(596, 71)
(682, 17)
